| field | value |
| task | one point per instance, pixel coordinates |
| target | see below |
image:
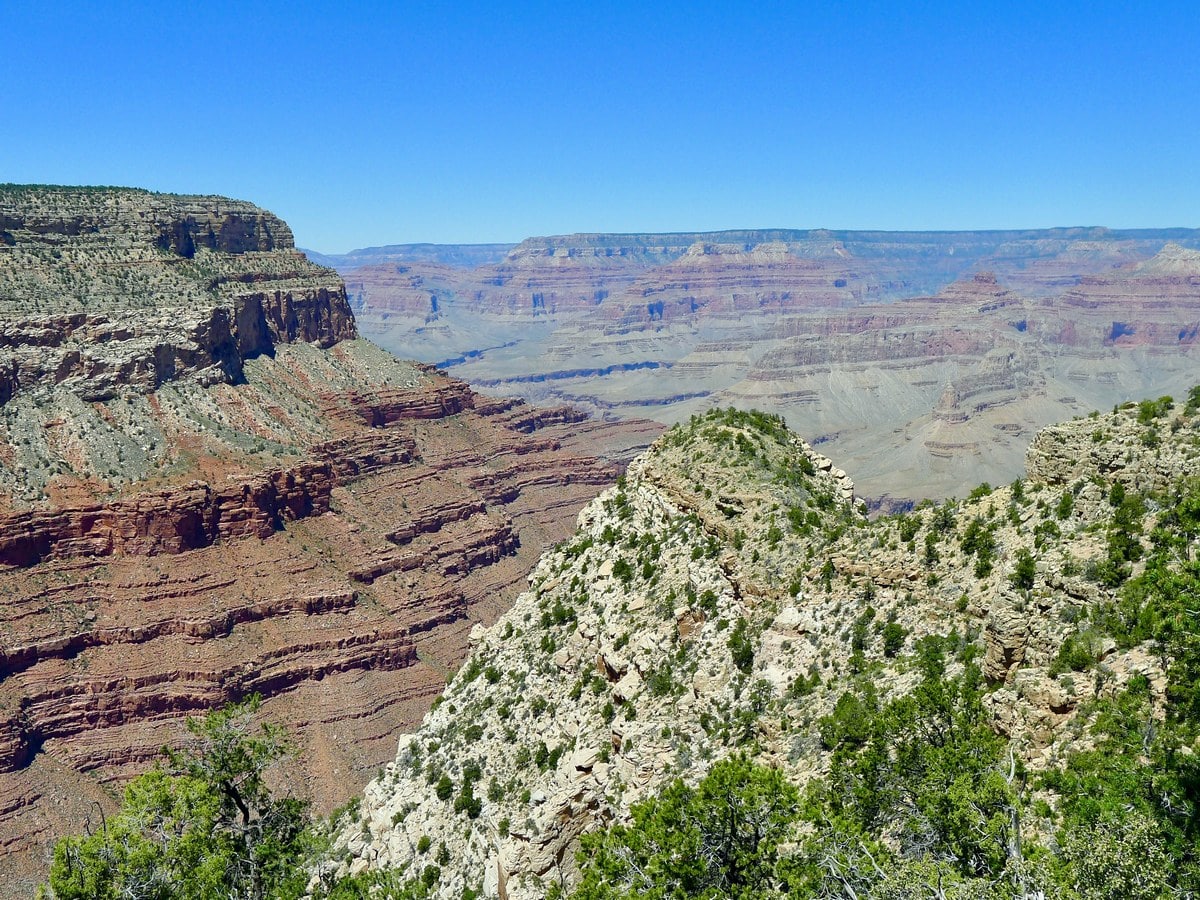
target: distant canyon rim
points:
(924, 362)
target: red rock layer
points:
(408, 291)
(342, 588)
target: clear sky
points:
(374, 123)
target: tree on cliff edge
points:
(204, 825)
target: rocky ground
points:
(723, 596)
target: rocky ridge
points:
(723, 596)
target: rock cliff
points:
(210, 487)
(122, 289)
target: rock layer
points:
(210, 488)
(948, 350)
(110, 290)
(351, 577)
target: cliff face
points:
(725, 595)
(122, 289)
(208, 487)
(949, 350)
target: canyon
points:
(922, 361)
(210, 486)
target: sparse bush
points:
(931, 555)
(893, 638)
(741, 646)
(1025, 570)
(907, 527)
(980, 492)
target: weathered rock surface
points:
(998, 333)
(722, 598)
(111, 290)
(186, 519)
(1064, 454)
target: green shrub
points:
(1018, 490)
(1025, 570)
(722, 838)
(849, 725)
(931, 555)
(467, 802)
(858, 631)
(741, 646)
(907, 527)
(1077, 653)
(208, 827)
(623, 570)
(980, 492)
(893, 638)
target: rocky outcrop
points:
(1006, 633)
(666, 594)
(1128, 446)
(163, 522)
(385, 407)
(721, 599)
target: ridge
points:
(728, 596)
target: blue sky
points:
(377, 123)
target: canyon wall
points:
(210, 487)
(946, 351)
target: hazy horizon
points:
(546, 236)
